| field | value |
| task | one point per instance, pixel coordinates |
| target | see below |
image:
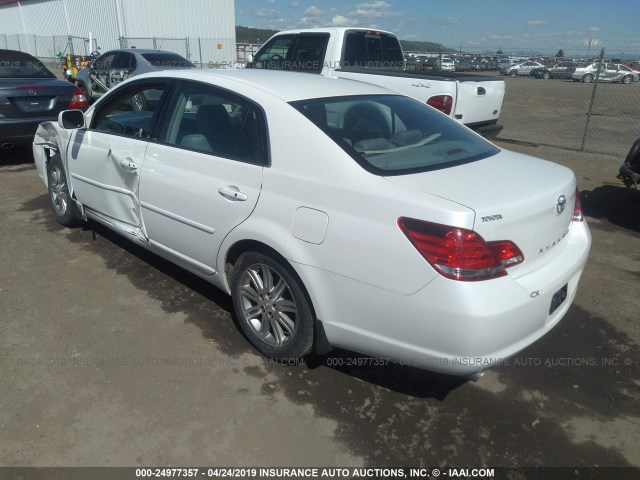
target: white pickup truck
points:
(376, 57)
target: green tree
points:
(500, 52)
(560, 53)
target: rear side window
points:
(309, 52)
(371, 49)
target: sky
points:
(466, 24)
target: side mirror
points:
(70, 119)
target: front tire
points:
(627, 79)
(513, 73)
(588, 78)
(64, 207)
(546, 75)
(271, 307)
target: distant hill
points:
(413, 46)
(260, 35)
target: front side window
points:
(393, 135)
(105, 62)
(130, 114)
(124, 61)
(216, 122)
(274, 53)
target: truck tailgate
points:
(479, 99)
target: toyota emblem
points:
(561, 203)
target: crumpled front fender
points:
(49, 140)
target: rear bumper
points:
(21, 130)
(451, 327)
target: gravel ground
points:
(112, 356)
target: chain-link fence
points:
(45, 46)
(584, 99)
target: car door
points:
(204, 175)
(100, 73)
(526, 68)
(105, 159)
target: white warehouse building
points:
(201, 30)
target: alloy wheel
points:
(268, 306)
(58, 189)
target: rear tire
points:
(546, 75)
(64, 207)
(272, 307)
(513, 73)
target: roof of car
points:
(288, 86)
(334, 29)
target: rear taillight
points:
(458, 253)
(444, 103)
(78, 100)
(577, 209)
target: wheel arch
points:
(233, 248)
(241, 246)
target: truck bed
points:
(423, 74)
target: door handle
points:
(129, 166)
(232, 193)
(126, 162)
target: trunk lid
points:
(515, 197)
(25, 98)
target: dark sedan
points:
(29, 95)
(559, 70)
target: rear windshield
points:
(395, 135)
(22, 65)
(166, 60)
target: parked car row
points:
(605, 72)
(562, 70)
(609, 72)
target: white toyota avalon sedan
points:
(335, 213)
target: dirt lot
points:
(554, 112)
(111, 356)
